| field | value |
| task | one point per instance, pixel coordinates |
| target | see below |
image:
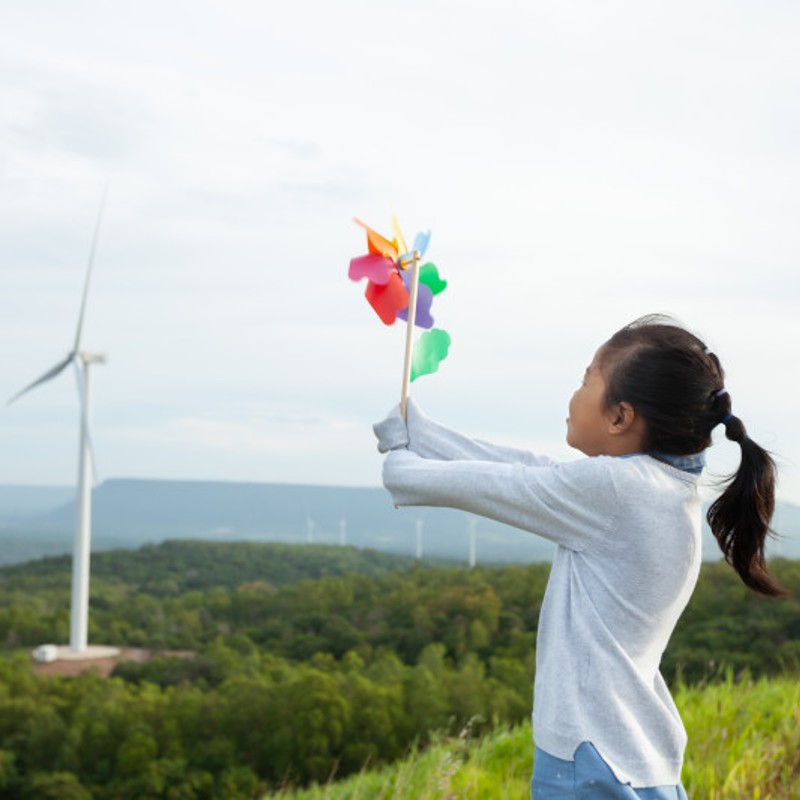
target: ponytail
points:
(740, 517)
(677, 385)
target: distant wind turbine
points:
(79, 613)
(472, 524)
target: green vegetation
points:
(298, 602)
(744, 739)
(744, 743)
(174, 567)
(311, 662)
(496, 766)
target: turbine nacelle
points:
(92, 358)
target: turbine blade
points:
(92, 252)
(49, 375)
(80, 378)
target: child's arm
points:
(429, 439)
(573, 503)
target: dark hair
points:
(678, 387)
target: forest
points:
(277, 666)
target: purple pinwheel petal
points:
(423, 317)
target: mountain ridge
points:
(129, 512)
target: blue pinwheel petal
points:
(421, 242)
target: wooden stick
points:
(412, 315)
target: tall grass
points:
(499, 765)
(744, 740)
(744, 744)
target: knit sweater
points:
(627, 560)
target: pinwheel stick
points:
(412, 314)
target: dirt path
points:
(102, 666)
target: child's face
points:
(588, 421)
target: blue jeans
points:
(588, 777)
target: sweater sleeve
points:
(432, 440)
(573, 504)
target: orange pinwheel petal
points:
(376, 243)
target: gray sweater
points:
(627, 561)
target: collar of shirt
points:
(692, 463)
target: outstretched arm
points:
(429, 439)
(573, 504)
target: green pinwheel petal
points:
(429, 275)
(429, 351)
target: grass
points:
(744, 744)
(744, 740)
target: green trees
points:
(297, 682)
(726, 627)
(261, 726)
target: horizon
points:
(65, 487)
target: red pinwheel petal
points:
(387, 300)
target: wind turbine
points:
(472, 525)
(79, 612)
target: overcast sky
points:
(578, 163)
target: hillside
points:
(178, 566)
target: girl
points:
(627, 524)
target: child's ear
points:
(623, 417)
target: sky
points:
(579, 164)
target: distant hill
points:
(176, 566)
(20, 502)
(128, 513)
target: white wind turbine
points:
(472, 525)
(79, 613)
(420, 525)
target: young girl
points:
(627, 524)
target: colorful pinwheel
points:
(394, 277)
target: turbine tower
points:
(419, 526)
(472, 524)
(79, 611)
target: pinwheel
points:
(399, 288)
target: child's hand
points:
(392, 432)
